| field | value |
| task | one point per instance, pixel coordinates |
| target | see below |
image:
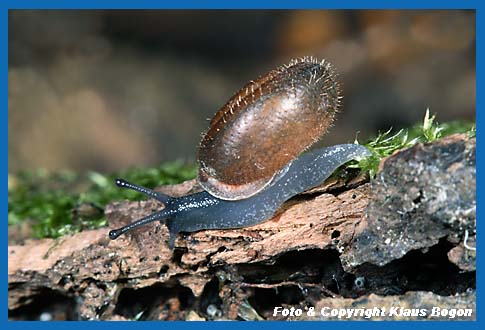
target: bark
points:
(340, 242)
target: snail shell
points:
(263, 127)
(247, 159)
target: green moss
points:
(61, 203)
(384, 144)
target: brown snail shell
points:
(266, 125)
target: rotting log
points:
(393, 234)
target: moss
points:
(386, 143)
(62, 203)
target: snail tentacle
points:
(160, 215)
(146, 191)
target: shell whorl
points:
(266, 125)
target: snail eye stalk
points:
(148, 192)
(163, 214)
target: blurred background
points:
(108, 90)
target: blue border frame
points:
(249, 4)
(5, 5)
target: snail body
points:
(203, 211)
(247, 163)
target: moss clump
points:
(384, 144)
(62, 203)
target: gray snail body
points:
(305, 86)
(203, 211)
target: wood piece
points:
(239, 273)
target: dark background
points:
(106, 90)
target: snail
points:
(248, 159)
